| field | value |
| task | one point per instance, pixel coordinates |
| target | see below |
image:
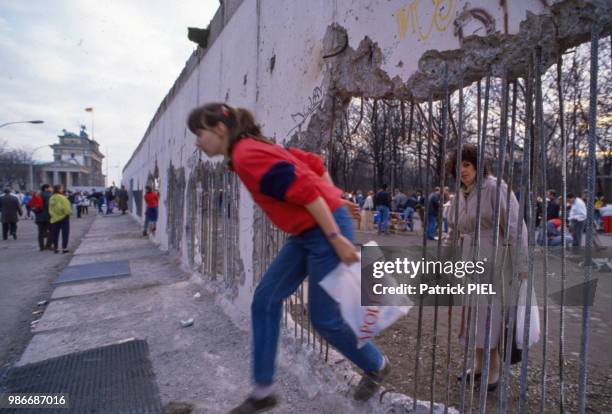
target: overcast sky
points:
(118, 56)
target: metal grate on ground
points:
(113, 379)
(91, 271)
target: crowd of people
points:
(51, 208)
(377, 209)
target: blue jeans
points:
(383, 223)
(577, 229)
(431, 226)
(407, 217)
(64, 226)
(306, 254)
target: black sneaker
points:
(253, 406)
(371, 382)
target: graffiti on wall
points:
(410, 18)
(312, 105)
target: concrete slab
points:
(146, 272)
(126, 254)
(92, 271)
(110, 244)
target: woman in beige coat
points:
(467, 202)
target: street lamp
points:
(38, 121)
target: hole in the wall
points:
(272, 63)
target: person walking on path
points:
(382, 203)
(432, 213)
(43, 219)
(151, 201)
(25, 202)
(59, 212)
(295, 191)
(109, 195)
(123, 199)
(11, 209)
(78, 201)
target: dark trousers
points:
(79, 211)
(577, 229)
(64, 227)
(44, 235)
(7, 228)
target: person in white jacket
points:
(577, 217)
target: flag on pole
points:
(89, 109)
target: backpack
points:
(36, 203)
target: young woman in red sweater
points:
(297, 194)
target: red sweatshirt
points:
(151, 199)
(282, 181)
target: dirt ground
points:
(399, 343)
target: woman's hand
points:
(345, 250)
(352, 208)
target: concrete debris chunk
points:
(187, 323)
(197, 295)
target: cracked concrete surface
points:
(207, 364)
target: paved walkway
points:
(207, 364)
(25, 279)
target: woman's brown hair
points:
(240, 122)
(469, 153)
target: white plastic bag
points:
(343, 284)
(534, 318)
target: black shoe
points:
(55, 251)
(65, 251)
(15, 236)
(253, 406)
(371, 382)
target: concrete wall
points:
(268, 56)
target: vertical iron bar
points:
(442, 146)
(500, 165)
(584, 343)
(424, 251)
(563, 230)
(476, 239)
(510, 303)
(455, 244)
(543, 159)
(476, 242)
(302, 313)
(531, 230)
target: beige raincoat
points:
(467, 203)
